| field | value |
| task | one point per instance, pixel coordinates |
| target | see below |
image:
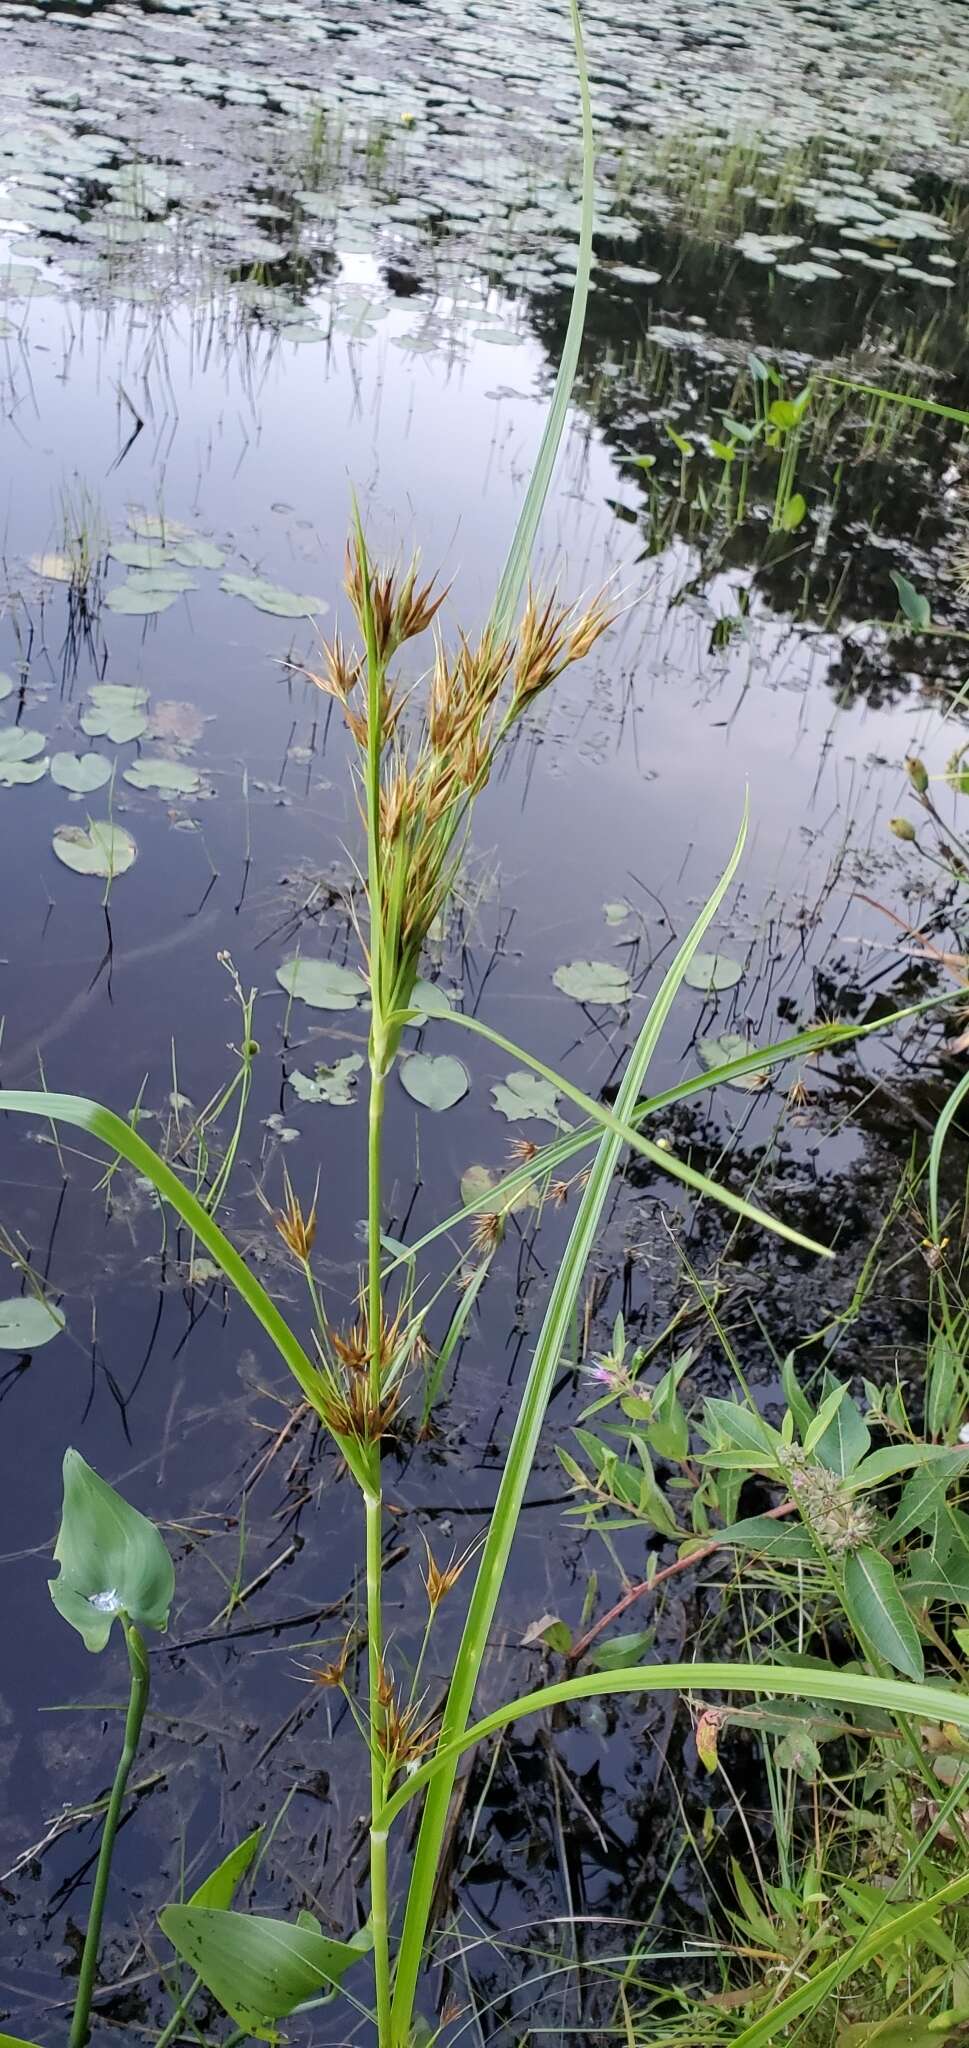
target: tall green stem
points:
(137, 1702)
(373, 1502)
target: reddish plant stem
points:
(669, 1571)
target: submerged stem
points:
(137, 1702)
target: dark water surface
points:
(252, 257)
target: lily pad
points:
(718, 1052)
(437, 1080)
(272, 597)
(324, 984)
(18, 743)
(58, 568)
(116, 712)
(27, 1322)
(102, 849)
(712, 972)
(594, 981)
(522, 1094)
(617, 913)
(80, 772)
(7, 685)
(11, 773)
(169, 778)
(479, 1185)
(431, 1000)
(195, 552)
(140, 554)
(336, 1084)
(140, 600)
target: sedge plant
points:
(419, 775)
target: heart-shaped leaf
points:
(103, 849)
(594, 981)
(140, 599)
(730, 1046)
(259, 1969)
(27, 1322)
(12, 772)
(117, 711)
(169, 778)
(336, 1084)
(480, 1186)
(522, 1094)
(712, 972)
(273, 597)
(324, 984)
(112, 1559)
(80, 773)
(18, 743)
(437, 1080)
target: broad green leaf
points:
(727, 1422)
(594, 981)
(933, 1575)
(195, 552)
(112, 1559)
(80, 773)
(477, 1184)
(170, 576)
(839, 1435)
(875, 1608)
(140, 554)
(913, 605)
(103, 849)
(522, 1095)
(621, 1651)
(323, 984)
(26, 1323)
(58, 567)
(140, 600)
(793, 513)
(429, 999)
(14, 772)
(169, 778)
(719, 1052)
(712, 972)
(923, 1496)
(437, 1080)
(116, 711)
(14, 2041)
(336, 1084)
(258, 1969)
(797, 1401)
(770, 1539)
(220, 1887)
(272, 597)
(798, 1751)
(18, 743)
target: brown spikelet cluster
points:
(297, 1229)
(440, 1580)
(403, 1733)
(550, 638)
(358, 1394)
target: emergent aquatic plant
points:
(419, 779)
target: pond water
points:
(254, 258)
